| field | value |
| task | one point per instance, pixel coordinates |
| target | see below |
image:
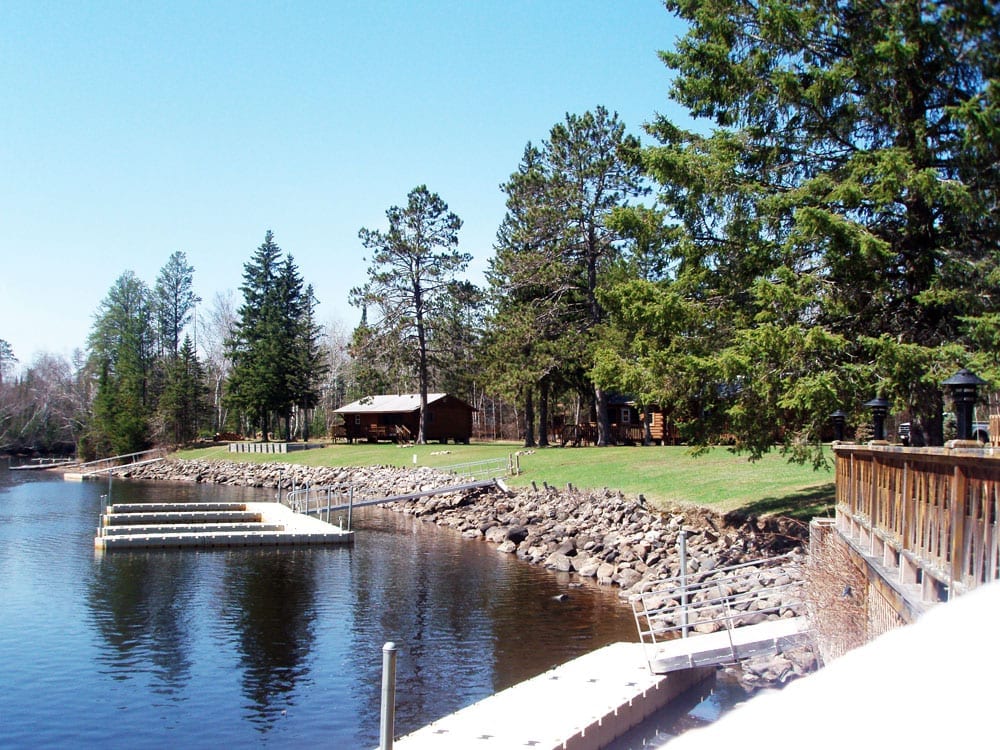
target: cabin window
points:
(357, 419)
(626, 415)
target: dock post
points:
(350, 505)
(388, 718)
(682, 544)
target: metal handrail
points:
(299, 500)
(292, 498)
(687, 605)
(117, 458)
(490, 468)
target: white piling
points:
(682, 543)
(388, 718)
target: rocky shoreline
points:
(602, 536)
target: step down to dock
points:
(582, 705)
(165, 517)
(185, 525)
(181, 528)
(171, 507)
(180, 516)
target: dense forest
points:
(829, 235)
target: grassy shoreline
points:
(665, 475)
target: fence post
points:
(388, 717)
(959, 562)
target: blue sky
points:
(134, 129)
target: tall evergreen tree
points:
(309, 365)
(412, 269)
(256, 382)
(557, 246)
(183, 405)
(841, 221)
(528, 332)
(274, 352)
(121, 347)
(174, 301)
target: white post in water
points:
(388, 720)
(682, 543)
(350, 505)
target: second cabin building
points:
(397, 418)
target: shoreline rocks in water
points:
(602, 536)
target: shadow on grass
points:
(803, 506)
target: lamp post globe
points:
(964, 389)
(880, 410)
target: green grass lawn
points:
(718, 479)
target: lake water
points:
(248, 647)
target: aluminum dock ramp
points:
(727, 646)
(723, 615)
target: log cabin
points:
(628, 426)
(397, 418)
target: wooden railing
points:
(933, 508)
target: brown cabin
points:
(397, 418)
(628, 426)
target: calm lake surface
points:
(277, 648)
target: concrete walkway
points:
(581, 705)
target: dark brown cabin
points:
(397, 418)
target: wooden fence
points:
(934, 509)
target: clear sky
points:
(133, 129)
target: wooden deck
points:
(934, 513)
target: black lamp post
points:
(964, 387)
(839, 418)
(880, 410)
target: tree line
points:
(829, 234)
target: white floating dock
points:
(581, 705)
(165, 525)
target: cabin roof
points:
(388, 403)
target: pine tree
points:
(412, 269)
(274, 349)
(121, 354)
(257, 382)
(555, 250)
(183, 405)
(841, 223)
(174, 301)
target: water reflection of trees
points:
(270, 602)
(465, 620)
(144, 605)
(432, 608)
(138, 603)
